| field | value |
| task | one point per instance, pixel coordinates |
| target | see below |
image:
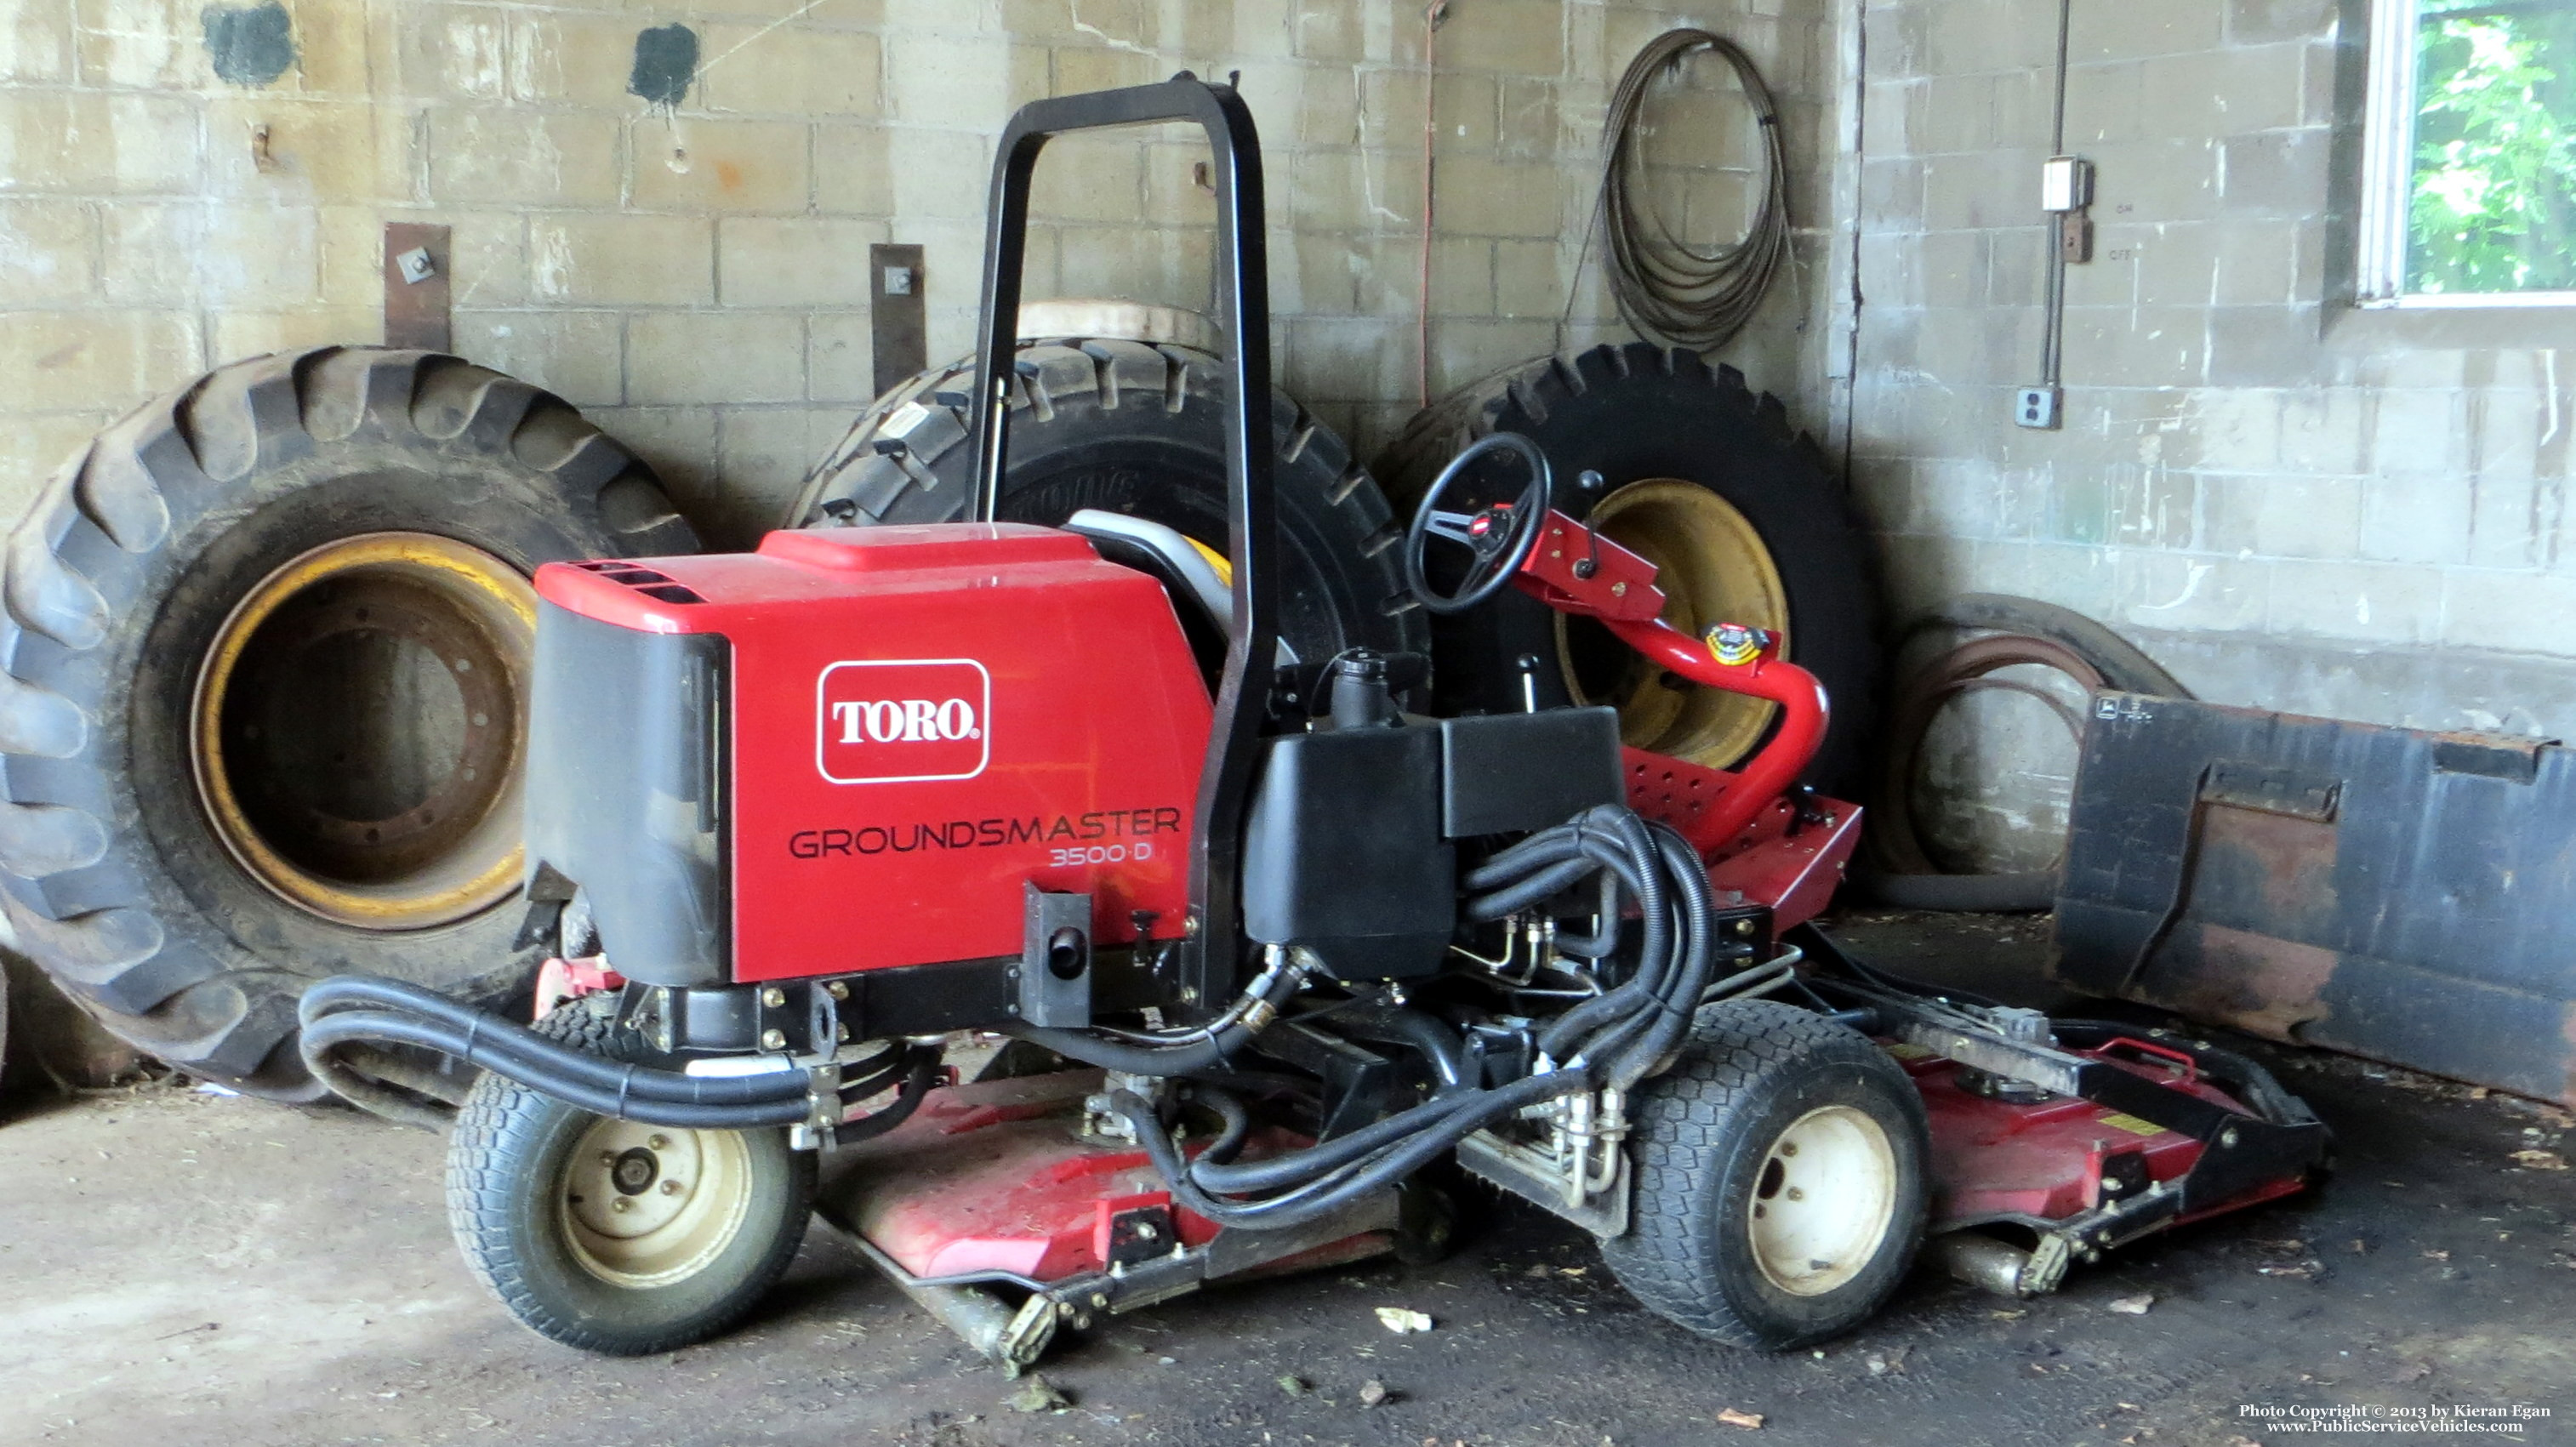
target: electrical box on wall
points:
(2065, 183)
(2037, 407)
(2074, 238)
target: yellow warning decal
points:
(2132, 1125)
(1903, 1051)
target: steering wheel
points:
(1499, 535)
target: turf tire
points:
(504, 1160)
(1701, 1141)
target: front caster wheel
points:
(1780, 1179)
(611, 1236)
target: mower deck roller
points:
(1266, 946)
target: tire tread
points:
(1057, 375)
(1664, 1259)
(480, 1179)
(75, 567)
(487, 1176)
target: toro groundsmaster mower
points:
(1266, 946)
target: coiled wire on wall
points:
(1665, 287)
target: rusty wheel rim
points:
(1713, 568)
(358, 725)
(1899, 838)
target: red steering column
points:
(1575, 570)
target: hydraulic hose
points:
(1698, 904)
(1587, 835)
(1512, 899)
(352, 1008)
(1605, 942)
(495, 1039)
(1301, 1166)
(1617, 844)
(385, 1025)
(1614, 1038)
(1179, 1059)
(1165, 1049)
(920, 1072)
(1561, 1040)
(1513, 861)
(1326, 1195)
(1234, 1123)
(1630, 853)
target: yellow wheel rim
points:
(358, 728)
(1713, 568)
(643, 1205)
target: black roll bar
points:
(1212, 952)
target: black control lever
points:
(1590, 563)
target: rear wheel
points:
(611, 1236)
(1779, 1180)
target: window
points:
(2469, 194)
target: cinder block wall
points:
(2290, 503)
(694, 273)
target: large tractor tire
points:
(1705, 479)
(263, 691)
(1137, 428)
(54, 1044)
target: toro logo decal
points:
(902, 721)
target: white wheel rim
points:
(644, 1205)
(1823, 1201)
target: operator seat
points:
(1200, 583)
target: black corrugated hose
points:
(363, 1007)
(1667, 288)
(1613, 1039)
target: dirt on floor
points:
(184, 1267)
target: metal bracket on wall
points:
(416, 293)
(898, 335)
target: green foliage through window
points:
(2494, 203)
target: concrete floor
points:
(185, 1268)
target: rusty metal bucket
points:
(2400, 895)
